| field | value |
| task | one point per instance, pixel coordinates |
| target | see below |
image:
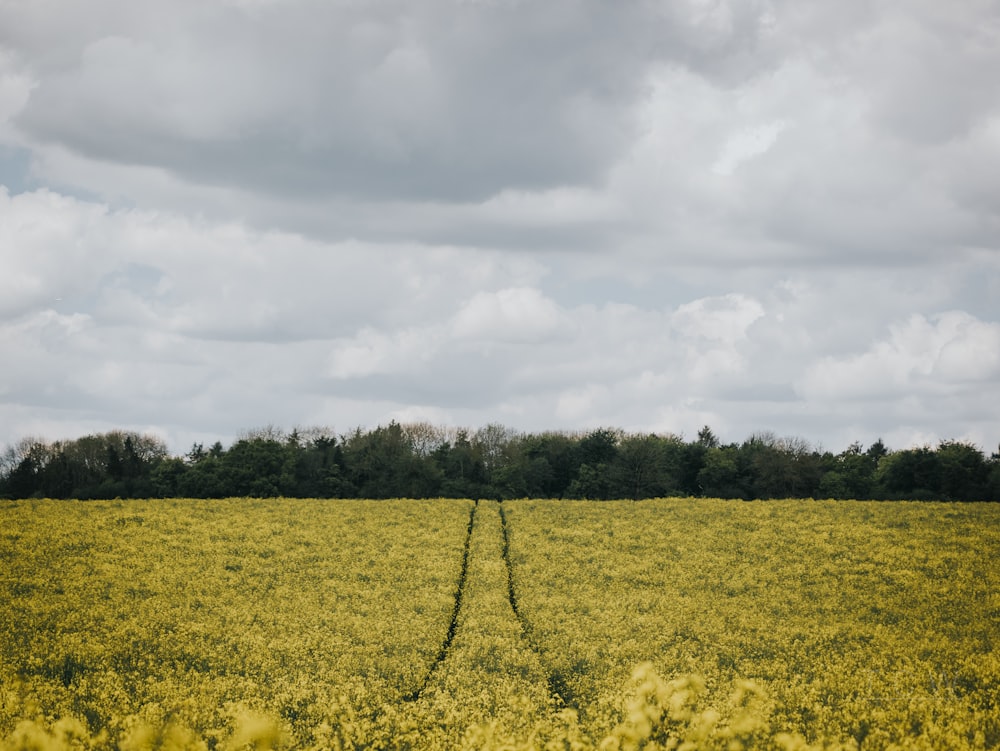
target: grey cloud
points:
(555, 215)
(481, 385)
(932, 69)
(440, 100)
(621, 365)
(14, 165)
(386, 123)
(760, 392)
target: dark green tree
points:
(593, 482)
(255, 467)
(962, 471)
(461, 467)
(707, 438)
(720, 477)
(382, 464)
(552, 461)
(647, 466)
(910, 474)
(598, 454)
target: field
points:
(524, 624)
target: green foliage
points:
(720, 475)
(419, 460)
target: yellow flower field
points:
(868, 623)
(689, 624)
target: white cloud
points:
(15, 88)
(723, 319)
(578, 403)
(747, 144)
(754, 215)
(509, 315)
(50, 247)
(926, 357)
(371, 352)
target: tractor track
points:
(557, 684)
(456, 609)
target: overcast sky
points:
(771, 215)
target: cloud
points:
(393, 101)
(922, 356)
(915, 53)
(51, 247)
(372, 352)
(15, 87)
(509, 315)
(746, 132)
(724, 319)
(763, 215)
(747, 144)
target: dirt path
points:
(489, 672)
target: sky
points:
(757, 215)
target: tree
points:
(492, 441)
(552, 461)
(204, 479)
(600, 446)
(196, 453)
(877, 451)
(593, 481)
(910, 474)
(21, 466)
(850, 474)
(316, 466)
(720, 477)
(57, 476)
(963, 471)
(255, 467)
(766, 465)
(461, 466)
(598, 452)
(269, 432)
(166, 478)
(382, 464)
(780, 467)
(834, 485)
(647, 466)
(421, 460)
(707, 438)
(992, 491)
(423, 437)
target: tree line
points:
(420, 460)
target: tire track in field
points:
(492, 680)
(557, 684)
(453, 625)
